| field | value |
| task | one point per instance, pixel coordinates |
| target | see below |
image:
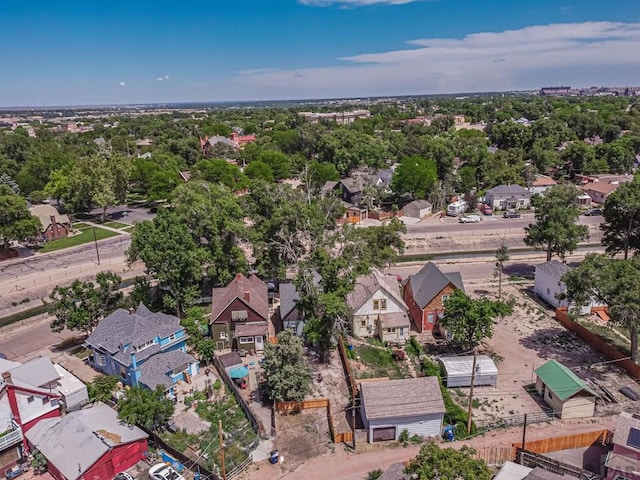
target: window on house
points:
(431, 318)
(245, 340)
(101, 360)
(146, 345)
(45, 400)
(223, 335)
(123, 373)
(383, 304)
(391, 330)
(30, 399)
(239, 315)
(363, 323)
(173, 336)
(376, 304)
(550, 394)
(548, 291)
(445, 298)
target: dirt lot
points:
(524, 341)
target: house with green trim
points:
(561, 389)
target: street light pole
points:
(473, 380)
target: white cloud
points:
(122, 84)
(353, 3)
(577, 53)
(162, 79)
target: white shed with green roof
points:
(567, 394)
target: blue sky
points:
(89, 52)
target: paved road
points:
(491, 222)
(30, 339)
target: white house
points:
(377, 308)
(389, 407)
(506, 197)
(541, 184)
(549, 287)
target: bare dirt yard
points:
(521, 343)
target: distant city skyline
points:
(122, 52)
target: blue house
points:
(142, 348)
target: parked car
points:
(469, 219)
(593, 212)
(162, 471)
(16, 471)
(511, 214)
(486, 209)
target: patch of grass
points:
(16, 317)
(85, 237)
(114, 224)
(608, 335)
(379, 361)
(81, 226)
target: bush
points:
(375, 474)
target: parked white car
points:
(162, 471)
(470, 219)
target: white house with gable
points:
(377, 308)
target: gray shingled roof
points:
(155, 370)
(75, 442)
(35, 373)
(554, 268)
(430, 281)
(626, 421)
(367, 285)
(230, 359)
(121, 331)
(288, 298)
(402, 398)
(509, 190)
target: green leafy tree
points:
(218, 170)
(278, 162)
(621, 226)
(556, 230)
(196, 326)
(170, 255)
(287, 372)
(576, 155)
(101, 388)
(502, 256)
(259, 170)
(82, 305)
(16, 222)
(213, 216)
(613, 282)
(469, 320)
(435, 463)
(415, 176)
(148, 408)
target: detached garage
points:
(456, 371)
(389, 407)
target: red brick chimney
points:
(54, 227)
(247, 297)
(6, 377)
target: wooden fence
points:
(597, 343)
(348, 373)
(566, 442)
(292, 407)
(495, 455)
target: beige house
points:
(566, 394)
(377, 308)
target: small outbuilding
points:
(561, 389)
(389, 407)
(457, 371)
(417, 209)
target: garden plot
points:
(521, 343)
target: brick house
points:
(425, 294)
(240, 314)
(54, 225)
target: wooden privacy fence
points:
(494, 455)
(351, 379)
(566, 442)
(292, 407)
(598, 344)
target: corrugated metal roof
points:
(460, 366)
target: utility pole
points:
(222, 470)
(524, 433)
(473, 379)
(353, 419)
(95, 240)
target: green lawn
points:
(116, 224)
(81, 226)
(85, 237)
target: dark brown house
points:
(240, 314)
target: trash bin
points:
(275, 455)
(449, 433)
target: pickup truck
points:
(470, 219)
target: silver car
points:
(162, 471)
